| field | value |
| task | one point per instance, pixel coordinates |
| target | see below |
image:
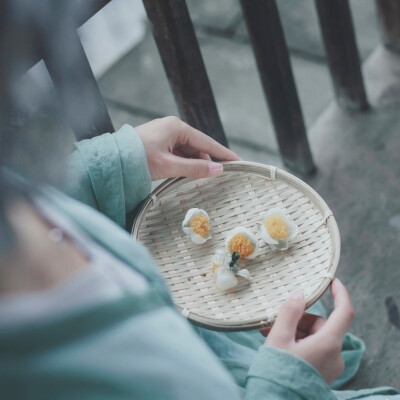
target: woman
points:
(84, 313)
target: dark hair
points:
(33, 153)
(8, 191)
(17, 44)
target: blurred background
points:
(344, 98)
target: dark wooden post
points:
(84, 10)
(180, 53)
(273, 62)
(71, 74)
(341, 50)
(389, 18)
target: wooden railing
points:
(272, 56)
(342, 54)
(180, 53)
(389, 17)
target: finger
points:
(202, 156)
(199, 155)
(342, 316)
(198, 140)
(300, 335)
(192, 168)
(285, 326)
(180, 153)
(265, 331)
(189, 152)
(310, 323)
(195, 154)
(187, 149)
(317, 326)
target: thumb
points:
(193, 168)
(290, 313)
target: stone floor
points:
(357, 155)
(358, 158)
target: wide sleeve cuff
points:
(281, 375)
(117, 168)
(135, 172)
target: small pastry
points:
(197, 225)
(225, 269)
(277, 229)
(242, 241)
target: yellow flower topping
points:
(241, 244)
(200, 225)
(276, 227)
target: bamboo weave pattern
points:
(240, 196)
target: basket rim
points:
(266, 171)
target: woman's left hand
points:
(173, 148)
(312, 338)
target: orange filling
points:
(241, 244)
(200, 225)
(276, 227)
(214, 267)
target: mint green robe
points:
(139, 347)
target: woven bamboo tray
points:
(240, 196)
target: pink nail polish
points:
(215, 169)
(297, 296)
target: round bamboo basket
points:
(240, 196)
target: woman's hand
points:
(173, 148)
(314, 339)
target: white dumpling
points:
(202, 232)
(246, 243)
(281, 229)
(244, 273)
(224, 276)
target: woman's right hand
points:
(174, 148)
(312, 338)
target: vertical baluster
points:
(84, 10)
(71, 74)
(389, 18)
(180, 53)
(266, 34)
(341, 50)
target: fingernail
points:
(215, 169)
(297, 296)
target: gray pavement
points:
(358, 158)
(299, 19)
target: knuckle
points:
(163, 158)
(173, 121)
(290, 307)
(340, 366)
(337, 348)
(276, 341)
(158, 161)
(198, 168)
(333, 346)
(351, 314)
